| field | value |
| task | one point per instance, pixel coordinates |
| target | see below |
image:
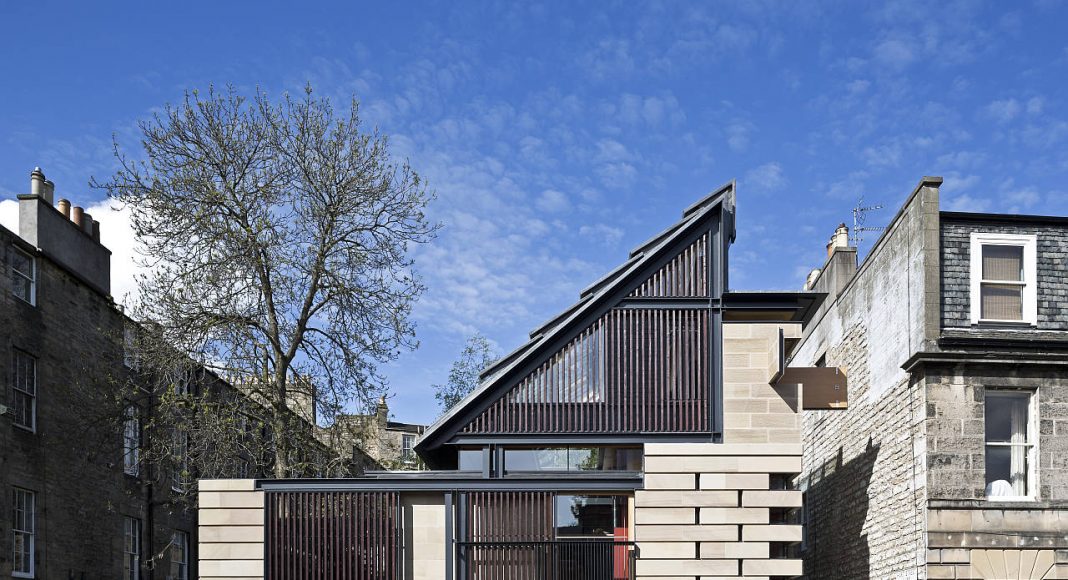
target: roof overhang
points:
(771, 306)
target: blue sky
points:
(559, 135)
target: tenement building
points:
(952, 458)
(75, 502)
(650, 431)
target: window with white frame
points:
(130, 355)
(407, 446)
(24, 275)
(1011, 455)
(1003, 278)
(180, 451)
(24, 530)
(131, 441)
(179, 556)
(25, 392)
(131, 549)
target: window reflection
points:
(573, 459)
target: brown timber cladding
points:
(337, 535)
(684, 276)
(632, 371)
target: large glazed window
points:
(635, 370)
(1010, 448)
(527, 460)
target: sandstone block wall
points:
(231, 530)
(709, 511)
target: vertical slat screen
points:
(632, 371)
(332, 535)
(685, 276)
(510, 517)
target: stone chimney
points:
(66, 235)
(840, 267)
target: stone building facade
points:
(68, 509)
(950, 461)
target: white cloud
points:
(1004, 110)
(738, 135)
(968, 203)
(894, 53)
(1035, 105)
(552, 201)
(602, 233)
(765, 178)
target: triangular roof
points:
(593, 299)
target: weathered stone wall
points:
(73, 462)
(865, 470)
(955, 427)
(1051, 264)
(984, 541)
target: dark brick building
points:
(952, 458)
(71, 506)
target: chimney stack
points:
(69, 235)
(37, 180)
(47, 191)
(840, 239)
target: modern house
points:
(649, 431)
(952, 458)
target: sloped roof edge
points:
(492, 376)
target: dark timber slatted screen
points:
(520, 516)
(685, 276)
(632, 371)
(332, 535)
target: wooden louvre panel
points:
(632, 371)
(684, 276)
(335, 535)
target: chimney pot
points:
(47, 190)
(96, 231)
(37, 180)
(64, 208)
(87, 223)
(76, 215)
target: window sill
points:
(990, 323)
(27, 430)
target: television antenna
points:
(860, 212)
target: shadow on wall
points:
(837, 506)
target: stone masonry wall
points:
(73, 462)
(1051, 265)
(231, 523)
(865, 471)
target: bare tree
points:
(477, 354)
(277, 237)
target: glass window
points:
(470, 460)
(24, 530)
(573, 459)
(1003, 278)
(25, 392)
(1009, 444)
(131, 549)
(23, 275)
(180, 452)
(547, 459)
(407, 446)
(130, 356)
(573, 375)
(131, 441)
(585, 516)
(179, 556)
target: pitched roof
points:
(591, 297)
